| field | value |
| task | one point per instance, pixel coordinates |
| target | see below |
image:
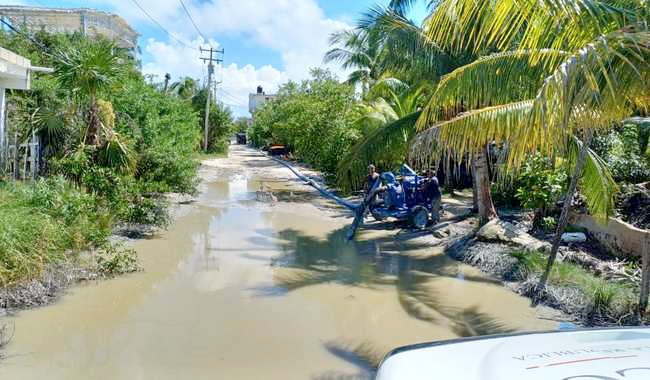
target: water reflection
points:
(377, 262)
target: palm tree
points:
(562, 70)
(359, 50)
(87, 69)
(388, 125)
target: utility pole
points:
(213, 58)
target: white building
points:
(257, 99)
(15, 73)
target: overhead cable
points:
(171, 35)
(189, 15)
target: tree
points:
(543, 89)
(387, 126)
(220, 122)
(186, 88)
(314, 118)
(358, 50)
(87, 69)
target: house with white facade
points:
(257, 99)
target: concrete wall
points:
(619, 237)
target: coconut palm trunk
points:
(482, 186)
(564, 216)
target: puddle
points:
(241, 289)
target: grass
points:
(46, 222)
(606, 300)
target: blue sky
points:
(267, 42)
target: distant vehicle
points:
(596, 354)
(241, 138)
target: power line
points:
(160, 26)
(46, 50)
(187, 12)
(233, 98)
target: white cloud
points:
(296, 30)
(236, 81)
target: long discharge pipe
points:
(358, 209)
(312, 183)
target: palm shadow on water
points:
(373, 263)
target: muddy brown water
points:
(241, 289)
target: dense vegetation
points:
(315, 119)
(537, 117)
(111, 145)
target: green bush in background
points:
(315, 118)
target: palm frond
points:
(116, 153)
(87, 69)
(601, 84)
(381, 87)
(480, 25)
(498, 78)
(409, 50)
(468, 132)
(384, 146)
(596, 182)
(401, 6)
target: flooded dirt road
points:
(242, 287)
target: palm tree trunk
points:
(483, 192)
(564, 216)
(92, 133)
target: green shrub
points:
(314, 118)
(539, 185)
(39, 222)
(220, 123)
(548, 224)
(603, 298)
(621, 150)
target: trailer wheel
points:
(419, 217)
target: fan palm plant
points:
(563, 70)
(86, 70)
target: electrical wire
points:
(46, 50)
(187, 12)
(160, 26)
(233, 98)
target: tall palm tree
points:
(360, 50)
(563, 69)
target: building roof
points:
(15, 70)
